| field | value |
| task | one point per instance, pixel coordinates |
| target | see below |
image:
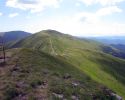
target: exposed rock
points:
(117, 96)
(111, 93)
(21, 97)
(21, 85)
(60, 96)
(67, 76)
(73, 97)
(44, 84)
(45, 71)
(75, 84)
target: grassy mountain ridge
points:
(55, 42)
(60, 42)
(86, 55)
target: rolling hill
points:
(63, 53)
(51, 41)
(14, 35)
(114, 42)
(45, 39)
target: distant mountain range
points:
(14, 35)
(53, 65)
(110, 39)
(120, 47)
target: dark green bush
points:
(35, 83)
(11, 93)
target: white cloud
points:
(94, 17)
(87, 2)
(108, 10)
(83, 23)
(1, 14)
(75, 27)
(78, 4)
(102, 2)
(13, 15)
(33, 5)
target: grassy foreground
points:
(35, 75)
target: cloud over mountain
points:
(32, 5)
(13, 15)
(1, 14)
(102, 2)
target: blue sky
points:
(75, 17)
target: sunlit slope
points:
(36, 75)
(101, 67)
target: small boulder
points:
(67, 76)
(60, 96)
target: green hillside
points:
(101, 67)
(51, 41)
(35, 75)
(85, 55)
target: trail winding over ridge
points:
(51, 46)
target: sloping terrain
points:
(90, 57)
(120, 47)
(35, 75)
(101, 67)
(14, 35)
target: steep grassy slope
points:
(86, 55)
(101, 67)
(34, 75)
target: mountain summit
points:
(50, 31)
